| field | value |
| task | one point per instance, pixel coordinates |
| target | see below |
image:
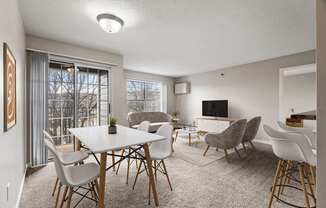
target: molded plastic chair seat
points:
(82, 174)
(68, 158)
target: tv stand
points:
(214, 124)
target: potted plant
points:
(112, 125)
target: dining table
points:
(97, 140)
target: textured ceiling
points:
(179, 37)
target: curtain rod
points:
(71, 57)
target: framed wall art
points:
(9, 63)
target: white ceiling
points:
(179, 37)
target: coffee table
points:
(189, 131)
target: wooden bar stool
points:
(295, 155)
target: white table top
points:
(97, 139)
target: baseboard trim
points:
(262, 141)
(21, 189)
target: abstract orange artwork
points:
(9, 88)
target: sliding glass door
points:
(78, 96)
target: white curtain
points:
(37, 109)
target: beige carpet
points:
(194, 154)
(197, 183)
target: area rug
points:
(194, 154)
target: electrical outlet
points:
(7, 191)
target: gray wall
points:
(321, 103)
(168, 82)
(12, 160)
(252, 89)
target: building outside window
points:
(144, 96)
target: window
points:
(144, 96)
(77, 96)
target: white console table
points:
(214, 124)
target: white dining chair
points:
(159, 151)
(305, 131)
(143, 126)
(294, 153)
(74, 176)
(66, 158)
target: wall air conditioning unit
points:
(181, 88)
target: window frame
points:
(144, 100)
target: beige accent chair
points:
(156, 119)
(228, 139)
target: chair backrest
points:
(291, 146)
(58, 165)
(48, 136)
(251, 129)
(307, 132)
(234, 133)
(144, 126)
(165, 146)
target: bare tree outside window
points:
(75, 99)
(144, 96)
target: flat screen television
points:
(216, 108)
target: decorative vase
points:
(112, 129)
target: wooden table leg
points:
(151, 175)
(189, 139)
(102, 180)
(77, 144)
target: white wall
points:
(321, 103)
(252, 89)
(299, 93)
(119, 106)
(12, 157)
(167, 82)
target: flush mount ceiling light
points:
(110, 23)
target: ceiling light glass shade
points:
(110, 23)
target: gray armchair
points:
(228, 139)
(251, 131)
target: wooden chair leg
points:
(176, 136)
(238, 153)
(122, 153)
(97, 186)
(189, 137)
(55, 186)
(284, 169)
(128, 168)
(155, 170)
(252, 145)
(313, 176)
(276, 177)
(226, 155)
(149, 192)
(64, 196)
(58, 195)
(244, 146)
(166, 173)
(69, 197)
(206, 151)
(113, 161)
(303, 184)
(310, 184)
(138, 172)
(288, 175)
